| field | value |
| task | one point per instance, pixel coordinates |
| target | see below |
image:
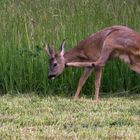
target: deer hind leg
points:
(104, 56)
(135, 67)
(135, 63)
(82, 81)
(98, 76)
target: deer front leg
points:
(82, 81)
(98, 76)
(99, 64)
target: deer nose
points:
(50, 77)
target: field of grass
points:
(49, 112)
(32, 117)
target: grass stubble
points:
(30, 116)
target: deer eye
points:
(55, 64)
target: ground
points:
(34, 117)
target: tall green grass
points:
(26, 25)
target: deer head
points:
(56, 60)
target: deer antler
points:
(49, 49)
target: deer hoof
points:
(95, 101)
(75, 98)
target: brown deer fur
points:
(94, 52)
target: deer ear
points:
(62, 51)
(49, 50)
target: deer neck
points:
(74, 55)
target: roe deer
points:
(93, 53)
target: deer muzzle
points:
(51, 77)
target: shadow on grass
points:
(131, 94)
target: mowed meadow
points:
(31, 106)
